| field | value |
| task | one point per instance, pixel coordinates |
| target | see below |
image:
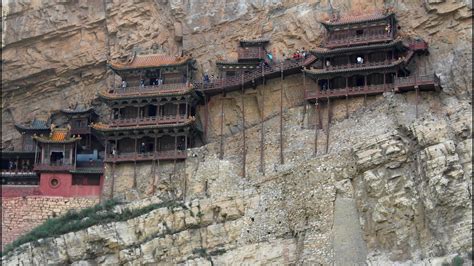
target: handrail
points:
(160, 89)
(254, 75)
(168, 119)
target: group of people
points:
(24, 165)
(156, 82)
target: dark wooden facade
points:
(150, 122)
(364, 56)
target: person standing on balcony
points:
(360, 60)
(142, 84)
(124, 85)
(206, 78)
(142, 148)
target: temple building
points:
(250, 54)
(365, 55)
(61, 174)
(152, 110)
(17, 165)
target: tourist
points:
(388, 29)
(143, 148)
(303, 53)
(142, 84)
(10, 165)
(360, 60)
(124, 85)
(206, 78)
(270, 56)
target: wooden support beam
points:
(329, 125)
(244, 148)
(316, 127)
(175, 154)
(206, 118)
(221, 153)
(304, 105)
(262, 122)
(113, 181)
(416, 100)
(281, 116)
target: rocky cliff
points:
(392, 187)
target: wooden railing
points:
(235, 82)
(155, 89)
(357, 39)
(53, 167)
(14, 172)
(399, 83)
(135, 156)
(365, 64)
(250, 53)
(150, 120)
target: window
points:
(359, 32)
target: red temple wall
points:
(64, 186)
(21, 214)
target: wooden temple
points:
(152, 110)
(364, 55)
(61, 174)
(17, 165)
(250, 54)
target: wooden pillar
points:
(244, 148)
(175, 153)
(206, 118)
(75, 152)
(304, 105)
(262, 128)
(316, 126)
(347, 98)
(281, 116)
(329, 124)
(416, 100)
(365, 87)
(36, 151)
(221, 153)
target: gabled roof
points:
(57, 135)
(348, 20)
(34, 126)
(79, 109)
(150, 61)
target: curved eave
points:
(45, 140)
(329, 25)
(147, 127)
(22, 128)
(398, 43)
(117, 68)
(112, 96)
(74, 112)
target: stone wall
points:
(21, 214)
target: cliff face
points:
(392, 187)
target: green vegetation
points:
(74, 221)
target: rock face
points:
(404, 182)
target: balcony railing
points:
(399, 83)
(358, 39)
(162, 89)
(13, 172)
(250, 53)
(151, 120)
(147, 156)
(352, 66)
(53, 167)
(89, 164)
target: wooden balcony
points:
(352, 40)
(250, 53)
(53, 167)
(163, 89)
(401, 84)
(148, 156)
(151, 120)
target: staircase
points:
(251, 79)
